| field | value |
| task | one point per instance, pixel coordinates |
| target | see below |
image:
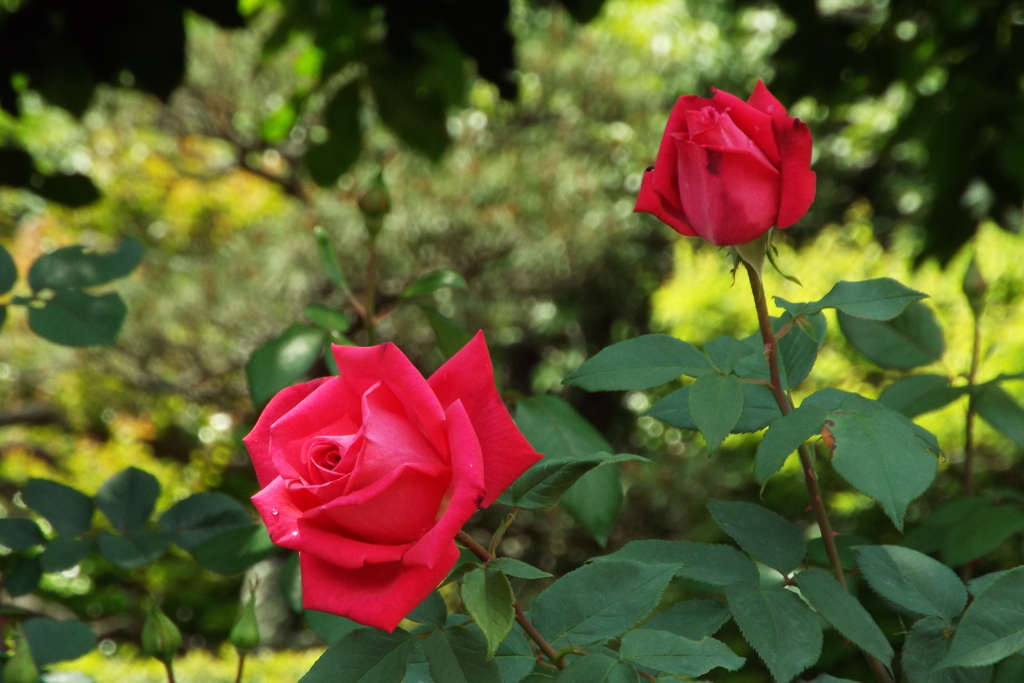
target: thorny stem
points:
(545, 647)
(371, 294)
(806, 463)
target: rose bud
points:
(245, 634)
(975, 287)
(370, 475)
(729, 170)
(375, 203)
(161, 639)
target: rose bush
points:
(729, 170)
(370, 474)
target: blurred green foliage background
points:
(527, 190)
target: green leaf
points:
(542, 485)
(328, 257)
(765, 535)
(431, 611)
(329, 628)
(912, 580)
(451, 336)
(366, 655)
(675, 655)
(64, 553)
(515, 658)
(8, 271)
(715, 565)
(282, 361)
(554, 428)
(759, 409)
(845, 613)
(136, 548)
(920, 394)
(798, 349)
(327, 160)
(780, 627)
(488, 597)
(992, 628)
(1009, 671)
(980, 533)
(18, 534)
(931, 535)
(460, 655)
(416, 114)
(57, 641)
(977, 586)
(825, 678)
(128, 498)
(925, 647)
(999, 409)
(716, 403)
(202, 516)
(641, 363)
(598, 601)
(512, 567)
(726, 352)
(327, 318)
(73, 318)
(880, 452)
(75, 268)
(909, 340)
(878, 299)
(693, 619)
(23, 576)
(236, 550)
(68, 510)
(438, 279)
(786, 435)
(597, 668)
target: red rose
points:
(728, 170)
(369, 475)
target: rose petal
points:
(280, 513)
(390, 440)
(468, 474)
(379, 595)
(258, 440)
(468, 376)
(730, 197)
(650, 201)
(756, 124)
(762, 100)
(340, 550)
(725, 134)
(331, 409)
(798, 180)
(363, 367)
(399, 508)
(665, 172)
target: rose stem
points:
(371, 295)
(967, 573)
(170, 671)
(241, 664)
(810, 478)
(545, 647)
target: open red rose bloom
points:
(729, 170)
(369, 475)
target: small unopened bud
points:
(21, 668)
(975, 287)
(375, 203)
(245, 634)
(161, 639)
